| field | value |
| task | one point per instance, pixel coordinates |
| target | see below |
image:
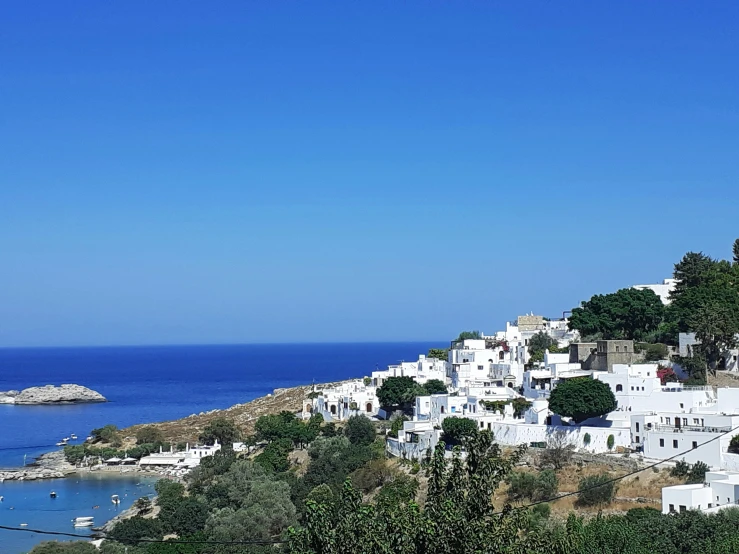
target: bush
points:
(397, 425)
(108, 433)
(372, 475)
(697, 473)
(457, 428)
(596, 490)
(527, 485)
(586, 439)
(733, 445)
(610, 442)
(360, 431)
(55, 547)
(149, 435)
(435, 386)
(558, 452)
(681, 469)
(222, 430)
(130, 531)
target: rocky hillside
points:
(244, 415)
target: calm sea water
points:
(148, 384)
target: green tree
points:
(456, 429)
(716, 323)
(131, 531)
(735, 251)
(596, 490)
(439, 353)
(399, 393)
(149, 435)
(624, 314)
(107, 433)
(541, 342)
(222, 430)
(435, 386)
(360, 431)
(464, 335)
(458, 516)
(582, 398)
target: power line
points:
(615, 479)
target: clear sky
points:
(202, 172)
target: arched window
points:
(619, 388)
(369, 406)
(510, 385)
(333, 409)
(501, 355)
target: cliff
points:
(64, 394)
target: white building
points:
(343, 401)
(186, 459)
(720, 490)
(422, 371)
(662, 289)
(539, 382)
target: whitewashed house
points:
(662, 289)
(720, 490)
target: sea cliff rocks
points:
(64, 394)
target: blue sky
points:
(182, 172)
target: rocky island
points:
(48, 395)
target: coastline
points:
(52, 465)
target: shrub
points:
(681, 469)
(435, 386)
(108, 433)
(542, 511)
(149, 435)
(143, 504)
(586, 439)
(697, 473)
(360, 431)
(367, 381)
(397, 425)
(457, 428)
(610, 442)
(527, 485)
(733, 445)
(596, 490)
(372, 475)
(222, 430)
(558, 452)
(130, 531)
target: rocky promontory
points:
(64, 394)
(48, 466)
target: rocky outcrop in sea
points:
(64, 394)
(48, 466)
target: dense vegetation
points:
(705, 301)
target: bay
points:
(158, 383)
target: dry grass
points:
(244, 415)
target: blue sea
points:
(147, 384)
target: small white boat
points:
(24, 524)
(82, 519)
(84, 524)
(65, 439)
(115, 499)
(62, 443)
(73, 437)
(52, 494)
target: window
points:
(674, 443)
(695, 444)
(489, 426)
(619, 388)
(672, 507)
(482, 424)
(683, 509)
(647, 374)
(632, 388)
(662, 443)
(626, 348)
(696, 421)
(637, 428)
(681, 404)
(649, 425)
(617, 349)
(480, 367)
(642, 388)
(637, 439)
(685, 421)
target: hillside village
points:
(578, 429)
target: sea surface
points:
(149, 384)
